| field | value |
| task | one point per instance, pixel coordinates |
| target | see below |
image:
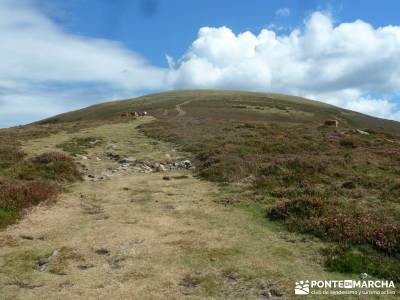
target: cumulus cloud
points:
(45, 70)
(283, 12)
(40, 63)
(348, 64)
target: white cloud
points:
(343, 64)
(45, 70)
(36, 55)
(283, 12)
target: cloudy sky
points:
(56, 55)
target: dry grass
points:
(177, 244)
(292, 165)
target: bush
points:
(51, 157)
(52, 166)
(350, 260)
(349, 142)
(16, 194)
(335, 222)
(302, 207)
(9, 155)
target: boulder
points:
(159, 167)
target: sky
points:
(57, 55)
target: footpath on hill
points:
(135, 229)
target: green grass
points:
(295, 171)
(221, 104)
(79, 145)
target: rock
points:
(112, 156)
(147, 169)
(187, 164)
(43, 262)
(166, 178)
(94, 142)
(125, 246)
(84, 157)
(362, 132)
(159, 167)
(266, 294)
(184, 164)
(55, 254)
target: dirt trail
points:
(181, 112)
(138, 236)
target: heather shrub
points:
(52, 166)
(362, 260)
(9, 155)
(51, 157)
(333, 221)
(304, 207)
(17, 195)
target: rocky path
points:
(181, 112)
(155, 234)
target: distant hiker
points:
(331, 122)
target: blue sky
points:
(155, 28)
(62, 55)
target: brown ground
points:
(137, 236)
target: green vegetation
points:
(333, 183)
(27, 181)
(329, 182)
(79, 145)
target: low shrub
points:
(51, 157)
(364, 260)
(51, 166)
(304, 207)
(17, 195)
(334, 221)
(79, 145)
(9, 155)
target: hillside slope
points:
(270, 196)
(229, 105)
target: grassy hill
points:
(266, 154)
(229, 105)
(334, 183)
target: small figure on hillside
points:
(331, 122)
